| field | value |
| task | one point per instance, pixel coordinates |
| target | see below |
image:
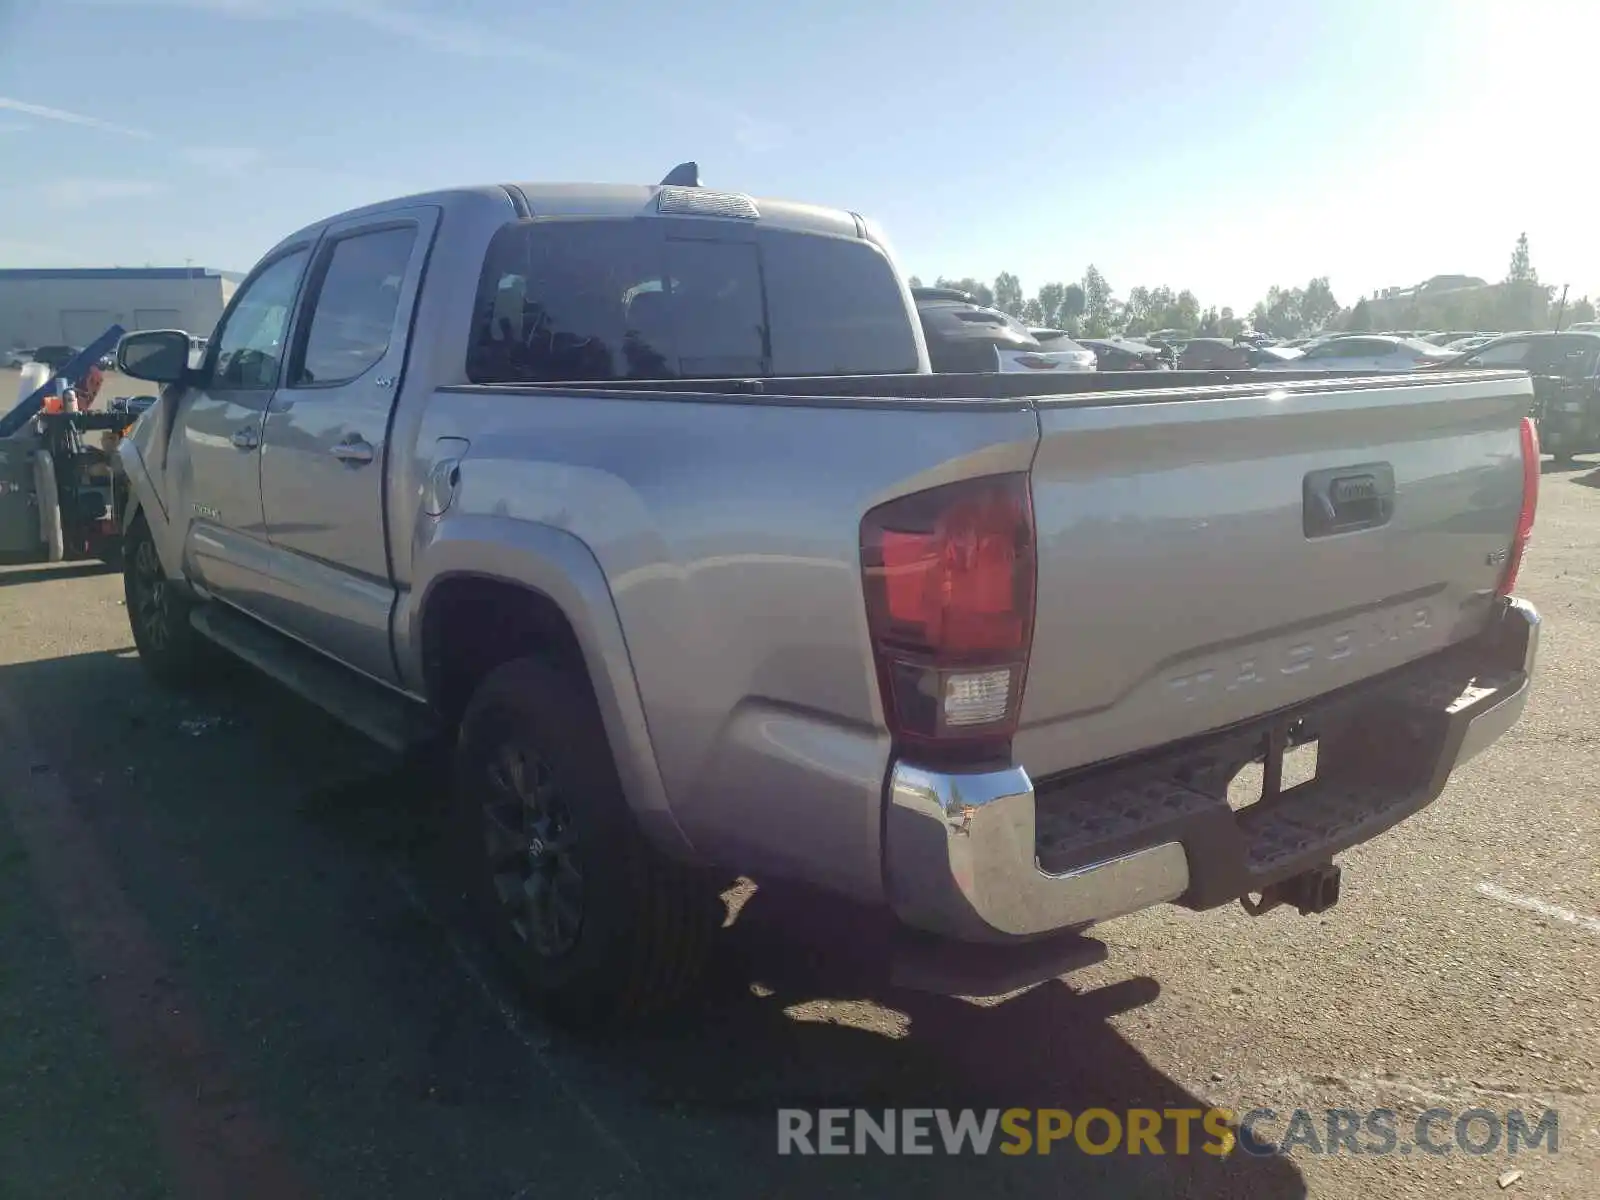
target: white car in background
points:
(16, 359)
(1462, 345)
(1365, 352)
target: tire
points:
(598, 925)
(169, 646)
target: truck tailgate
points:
(1207, 558)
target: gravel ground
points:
(229, 940)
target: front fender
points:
(561, 567)
(145, 495)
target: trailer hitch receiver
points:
(1310, 892)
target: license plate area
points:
(1288, 760)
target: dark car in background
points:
(1566, 384)
(56, 357)
(1214, 354)
(964, 336)
(1124, 354)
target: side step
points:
(386, 717)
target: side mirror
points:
(159, 355)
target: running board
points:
(386, 717)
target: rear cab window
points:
(591, 300)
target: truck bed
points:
(1088, 388)
(1180, 588)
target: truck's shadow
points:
(12, 575)
(299, 886)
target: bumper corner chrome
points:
(961, 852)
(1516, 638)
(960, 861)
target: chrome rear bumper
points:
(963, 851)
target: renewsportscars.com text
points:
(1176, 1131)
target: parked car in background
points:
(1170, 344)
(1261, 356)
(1125, 354)
(1455, 335)
(1584, 327)
(56, 357)
(1315, 339)
(1214, 354)
(16, 359)
(1367, 352)
(1566, 383)
(964, 336)
(1471, 342)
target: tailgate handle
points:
(1345, 499)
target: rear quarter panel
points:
(728, 530)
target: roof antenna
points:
(683, 175)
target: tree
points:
(1521, 302)
(914, 282)
(1317, 305)
(1137, 312)
(1008, 293)
(1521, 269)
(1185, 312)
(1091, 309)
(1260, 319)
(1099, 304)
(1050, 298)
(1073, 304)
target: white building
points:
(48, 306)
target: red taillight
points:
(949, 578)
(1530, 505)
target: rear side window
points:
(836, 308)
(352, 316)
(598, 300)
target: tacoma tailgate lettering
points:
(1296, 657)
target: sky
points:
(1222, 147)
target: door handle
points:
(246, 438)
(353, 452)
(1347, 499)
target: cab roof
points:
(614, 200)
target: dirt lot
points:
(233, 965)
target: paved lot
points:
(232, 965)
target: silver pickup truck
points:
(643, 500)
